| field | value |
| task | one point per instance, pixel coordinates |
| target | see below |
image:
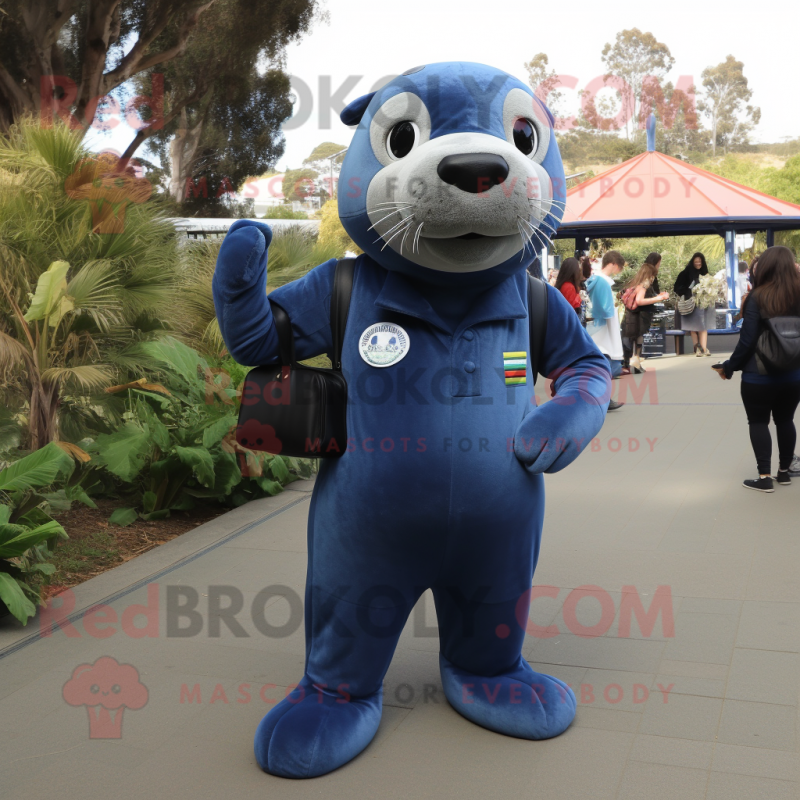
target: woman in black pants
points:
(643, 286)
(776, 293)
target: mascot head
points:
(453, 174)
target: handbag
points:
(291, 409)
(686, 307)
(629, 299)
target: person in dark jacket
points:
(776, 293)
(695, 322)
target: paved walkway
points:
(656, 503)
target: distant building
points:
(268, 192)
(217, 227)
(264, 192)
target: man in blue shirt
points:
(604, 329)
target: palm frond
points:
(212, 336)
(13, 354)
(711, 246)
(84, 378)
(94, 286)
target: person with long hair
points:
(640, 292)
(569, 280)
(776, 293)
(695, 322)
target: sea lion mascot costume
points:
(451, 183)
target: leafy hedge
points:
(175, 447)
(177, 444)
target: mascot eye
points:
(400, 141)
(524, 136)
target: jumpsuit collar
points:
(502, 301)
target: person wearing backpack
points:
(638, 295)
(768, 355)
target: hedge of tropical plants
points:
(114, 380)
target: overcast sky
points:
(385, 37)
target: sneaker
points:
(760, 484)
(613, 405)
(794, 467)
(783, 477)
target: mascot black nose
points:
(473, 172)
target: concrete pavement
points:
(697, 700)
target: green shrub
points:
(27, 532)
(87, 268)
(292, 253)
(176, 443)
(284, 212)
(332, 232)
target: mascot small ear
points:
(352, 113)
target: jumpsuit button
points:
(469, 336)
(469, 366)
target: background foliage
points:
(111, 312)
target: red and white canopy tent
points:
(653, 194)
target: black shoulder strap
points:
(340, 306)
(537, 321)
(285, 336)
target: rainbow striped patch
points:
(515, 368)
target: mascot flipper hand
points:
(452, 181)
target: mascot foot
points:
(314, 731)
(519, 702)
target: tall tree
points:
(226, 97)
(62, 57)
(633, 57)
(725, 104)
(679, 131)
(299, 184)
(323, 162)
(544, 82)
(240, 136)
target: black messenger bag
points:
(293, 410)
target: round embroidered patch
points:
(383, 344)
